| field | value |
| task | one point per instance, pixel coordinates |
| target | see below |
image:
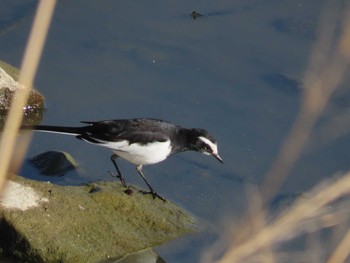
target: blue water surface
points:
(237, 71)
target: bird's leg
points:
(118, 174)
(151, 191)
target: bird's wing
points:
(134, 130)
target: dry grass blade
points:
(29, 66)
(289, 223)
(320, 82)
(326, 69)
(342, 252)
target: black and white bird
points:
(139, 141)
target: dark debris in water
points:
(196, 14)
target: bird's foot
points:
(154, 194)
(121, 178)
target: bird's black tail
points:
(54, 129)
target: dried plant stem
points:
(342, 252)
(288, 223)
(328, 64)
(28, 68)
(320, 82)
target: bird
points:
(140, 141)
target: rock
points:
(53, 163)
(8, 85)
(43, 222)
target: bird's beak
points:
(217, 157)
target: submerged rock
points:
(53, 163)
(42, 222)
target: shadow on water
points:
(283, 83)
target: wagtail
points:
(140, 141)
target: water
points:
(236, 71)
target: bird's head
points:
(205, 143)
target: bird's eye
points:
(206, 148)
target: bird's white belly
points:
(141, 154)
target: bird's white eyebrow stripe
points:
(212, 145)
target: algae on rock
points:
(78, 224)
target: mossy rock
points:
(32, 111)
(80, 224)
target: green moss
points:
(78, 226)
(12, 71)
